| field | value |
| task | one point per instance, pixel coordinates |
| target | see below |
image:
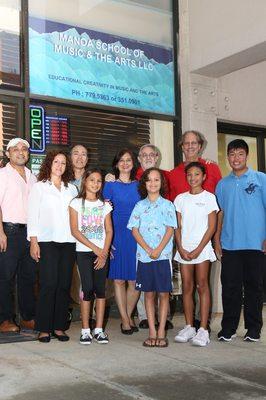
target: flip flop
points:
(161, 342)
(149, 342)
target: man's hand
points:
(35, 251)
(264, 246)
(3, 242)
(109, 178)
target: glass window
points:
(10, 69)
(224, 139)
(107, 52)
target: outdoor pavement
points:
(125, 370)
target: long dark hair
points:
(145, 177)
(88, 172)
(46, 167)
(117, 158)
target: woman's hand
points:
(35, 251)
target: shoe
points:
(168, 325)
(201, 338)
(61, 338)
(8, 326)
(144, 324)
(149, 342)
(85, 338)
(252, 336)
(101, 337)
(28, 325)
(161, 342)
(225, 336)
(126, 331)
(44, 339)
(134, 328)
(187, 333)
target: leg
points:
(150, 310)
(100, 309)
(121, 300)
(202, 281)
(163, 310)
(253, 289)
(9, 262)
(132, 298)
(48, 282)
(187, 274)
(141, 308)
(99, 281)
(85, 267)
(62, 297)
(232, 289)
(27, 278)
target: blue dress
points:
(123, 196)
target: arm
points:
(101, 259)
(167, 236)
(217, 236)
(139, 239)
(73, 214)
(212, 220)
(178, 238)
(3, 238)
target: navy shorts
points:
(154, 276)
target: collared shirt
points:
(152, 219)
(48, 216)
(178, 180)
(243, 202)
(14, 193)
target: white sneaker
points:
(187, 333)
(202, 338)
(85, 338)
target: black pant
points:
(17, 260)
(92, 280)
(242, 274)
(56, 265)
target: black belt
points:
(11, 225)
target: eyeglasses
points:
(150, 155)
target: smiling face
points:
(58, 166)
(195, 177)
(18, 155)
(237, 159)
(148, 157)
(79, 157)
(93, 183)
(191, 147)
(125, 164)
(153, 184)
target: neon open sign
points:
(37, 138)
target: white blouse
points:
(48, 216)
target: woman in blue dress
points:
(123, 193)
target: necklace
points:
(120, 180)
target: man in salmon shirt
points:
(15, 184)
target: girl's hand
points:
(155, 254)
(218, 249)
(35, 251)
(99, 263)
(194, 254)
(97, 251)
(185, 254)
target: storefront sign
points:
(37, 141)
(36, 162)
(79, 64)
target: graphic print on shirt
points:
(92, 222)
(251, 188)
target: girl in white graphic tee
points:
(91, 225)
(197, 215)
